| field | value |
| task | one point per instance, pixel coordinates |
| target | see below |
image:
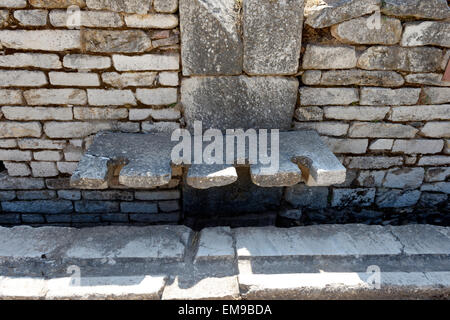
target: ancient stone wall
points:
(370, 82)
(61, 84)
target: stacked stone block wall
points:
(372, 87)
(72, 68)
(370, 75)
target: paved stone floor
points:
(174, 262)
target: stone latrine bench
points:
(144, 161)
(237, 75)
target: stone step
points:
(145, 161)
(173, 262)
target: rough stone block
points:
(420, 113)
(37, 113)
(426, 59)
(17, 169)
(33, 18)
(99, 97)
(430, 9)
(158, 96)
(437, 174)
(36, 195)
(430, 79)
(347, 145)
(15, 155)
(73, 79)
(20, 129)
(362, 31)
(21, 78)
(244, 102)
(47, 155)
(328, 96)
(433, 95)
(404, 178)
(443, 187)
(146, 62)
(44, 169)
(301, 195)
(360, 197)
(92, 19)
(309, 114)
(55, 96)
(353, 77)
(158, 195)
(97, 206)
(86, 62)
(263, 20)
(130, 6)
(39, 206)
(152, 21)
(388, 198)
(329, 57)
(11, 97)
(41, 144)
(139, 207)
(426, 33)
(381, 130)
(14, 3)
(385, 96)
(127, 41)
(325, 14)
(37, 60)
(434, 160)
(74, 129)
(167, 6)
(211, 41)
(135, 79)
(356, 113)
(45, 40)
(51, 4)
(436, 130)
(421, 146)
(10, 183)
(81, 113)
(373, 162)
(371, 178)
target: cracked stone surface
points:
(210, 36)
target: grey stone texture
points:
(211, 41)
(426, 33)
(430, 9)
(330, 12)
(329, 57)
(239, 102)
(421, 59)
(361, 31)
(272, 33)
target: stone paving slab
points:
(225, 288)
(173, 262)
(393, 285)
(328, 240)
(215, 243)
(106, 288)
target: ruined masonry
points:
(356, 88)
